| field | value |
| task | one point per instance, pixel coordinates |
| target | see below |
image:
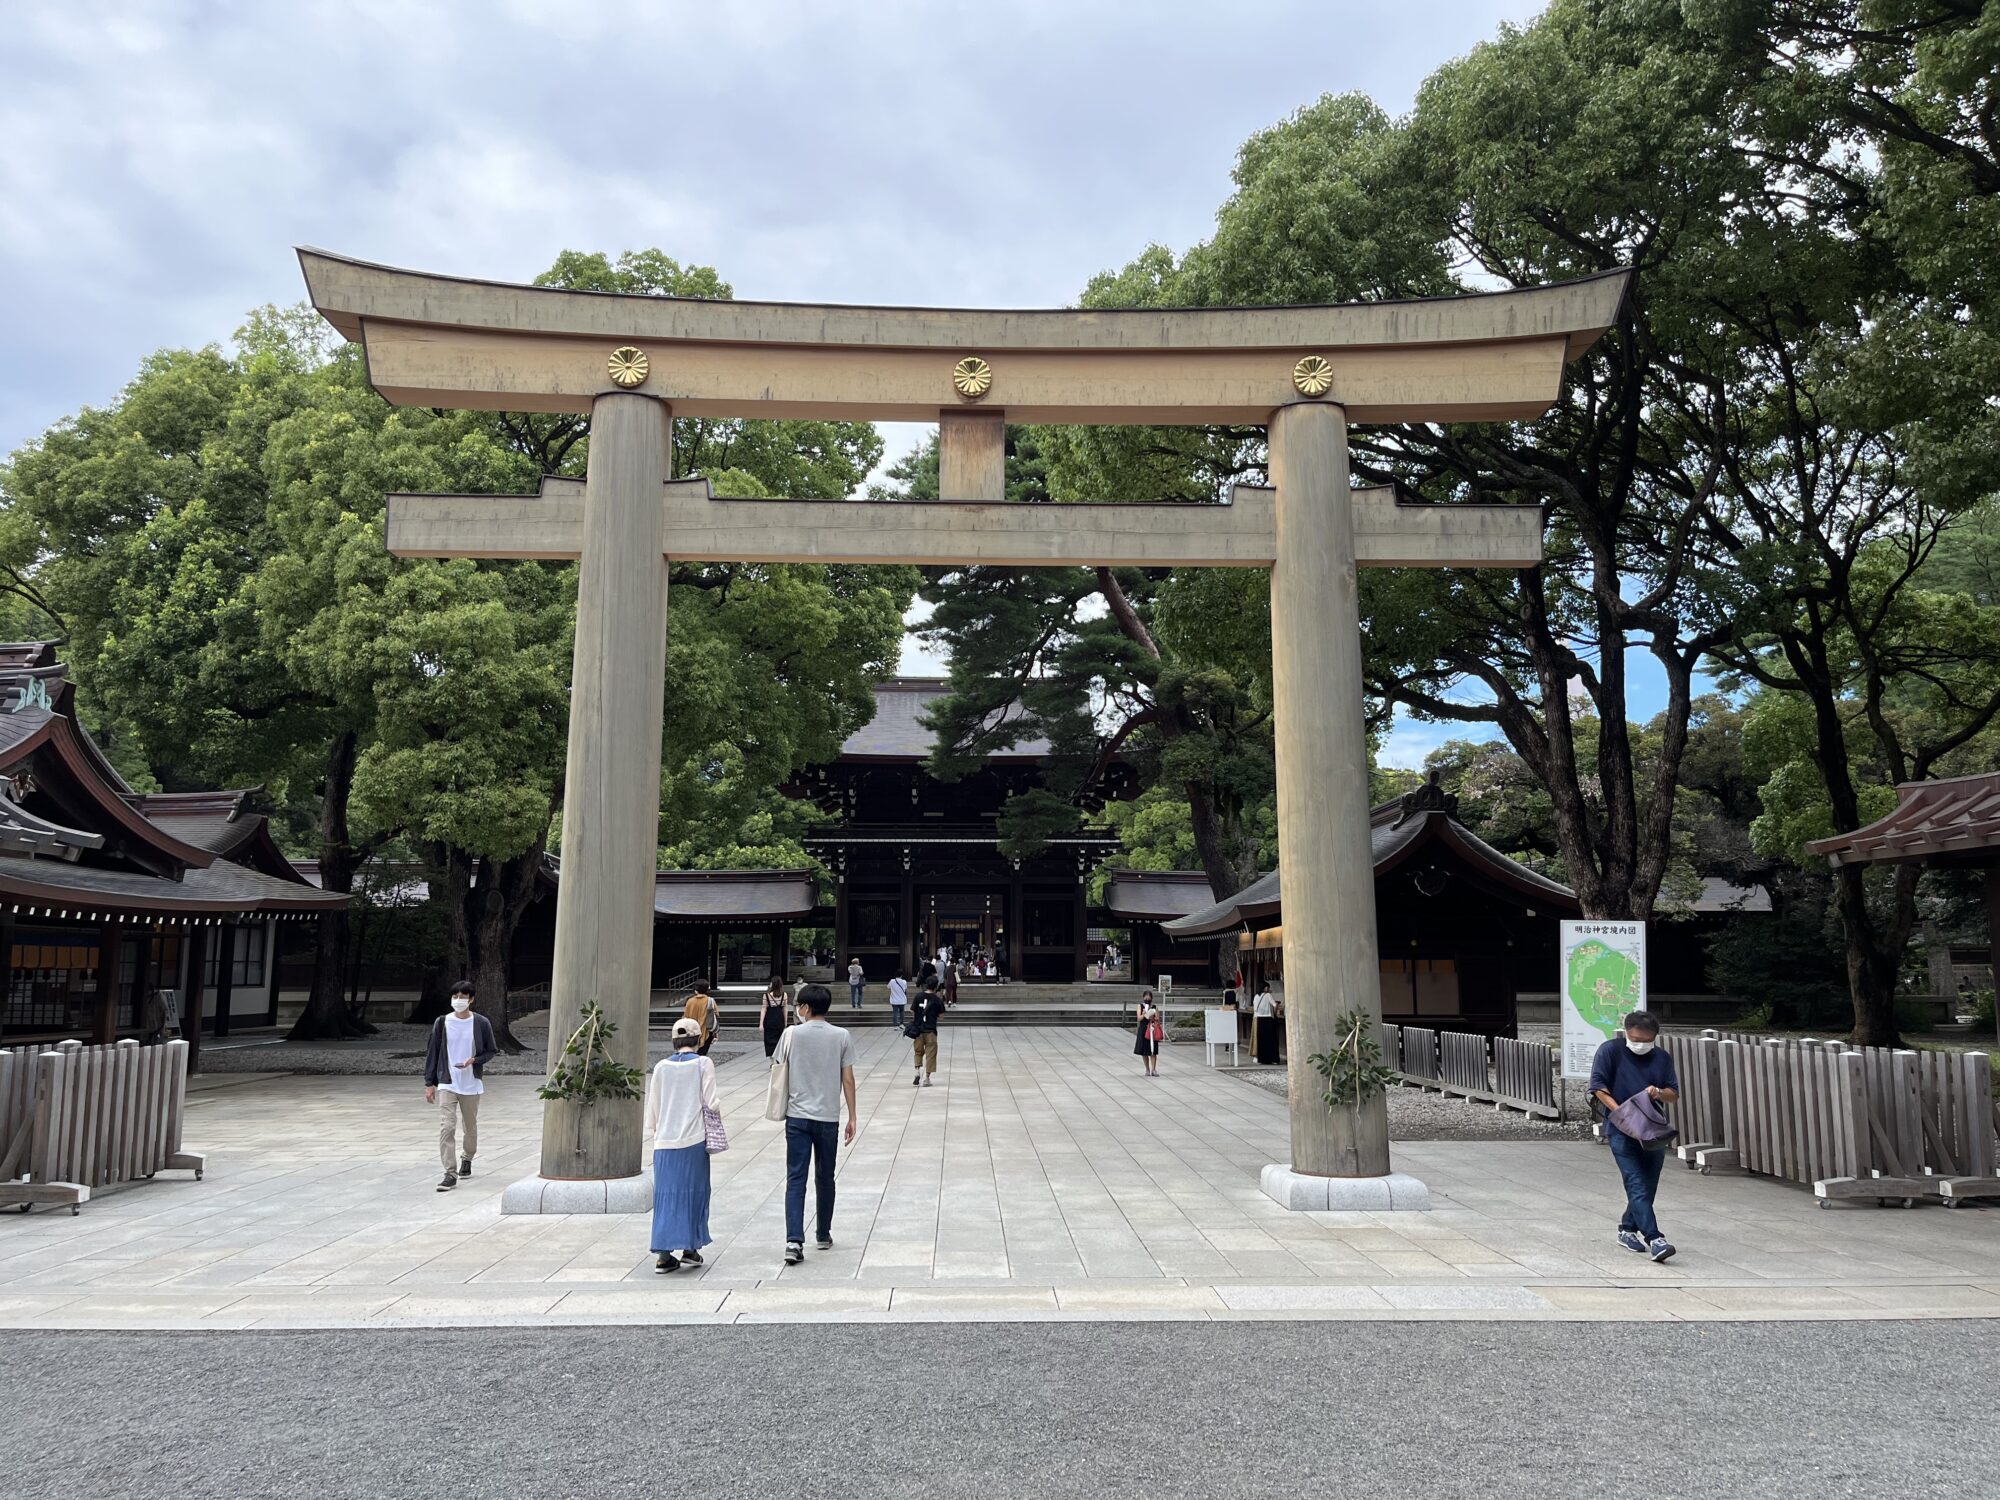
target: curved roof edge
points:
(345, 291)
(87, 765)
(1954, 819)
(1394, 841)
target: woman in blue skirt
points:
(681, 1089)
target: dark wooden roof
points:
(1157, 895)
(216, 821)
(77, 841)
(223, 824)
(898, 731)
(25, 731)
(1948, 822)
(716, 896)
(21, 832)
(1396, 835)
(222, 889)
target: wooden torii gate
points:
(634, 362)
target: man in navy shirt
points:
(1624, 1068)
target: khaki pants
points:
(926, 1051)
(452, 1108)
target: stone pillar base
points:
(579, 1195)
(1393, 1192)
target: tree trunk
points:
(489, 977)
(448, 891)
(326, 1013)
(458, 917)
(1218, 838)
(1937, 958)
(494, 908)
(1875, 951)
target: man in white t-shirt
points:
(820, 1063)
(461, 1044)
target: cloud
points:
(161, 162)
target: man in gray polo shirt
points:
(821, 1057)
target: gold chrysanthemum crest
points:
(972, 377)
(1313, 375)
(628, 367)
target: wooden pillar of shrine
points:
(225, 974)
(104, 1024)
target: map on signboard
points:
(1605, 980)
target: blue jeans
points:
(854, 996)
(1640, 1167)
(816, 1141)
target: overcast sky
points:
(159, 161)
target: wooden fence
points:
(1850, 1122)
(73, 1118)
(1518, 1075)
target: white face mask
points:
(1640, 1048)
(461, 1003)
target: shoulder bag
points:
(778, 1093)
(1644, 1121)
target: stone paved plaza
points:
(1043, 1178)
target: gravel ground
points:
(396, 1048)
(1417, 1116)
(1166, 1411)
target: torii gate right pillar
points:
(1328, 874)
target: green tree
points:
(1561, 149)
(213, 544)
(200, 539)
(1164, 671)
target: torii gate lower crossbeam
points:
(626, 522)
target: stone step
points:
(971, 1013)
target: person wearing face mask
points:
(460, 1047)
(1626, 1067)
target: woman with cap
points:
(681, 1099)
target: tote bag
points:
(778, 1093)
(716, 1138)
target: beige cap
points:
(687, 1026)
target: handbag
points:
(1644, 1121)
(717, 1139)
(778, 1093)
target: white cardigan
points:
(681, 1087)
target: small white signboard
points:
(1602, 977)
(1221, 1032)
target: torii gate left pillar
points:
(611, 778)
(632, 362)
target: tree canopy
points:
(1756, 474)
(212, 548)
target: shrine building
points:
(912, 863)
(108, 894)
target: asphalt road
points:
(999, 1411)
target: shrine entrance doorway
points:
(973, 924)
